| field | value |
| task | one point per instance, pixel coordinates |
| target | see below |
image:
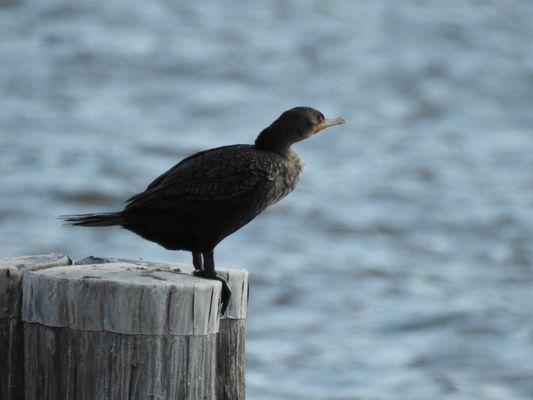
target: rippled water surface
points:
(400, 268)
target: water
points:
(400, 268)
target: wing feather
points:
(220, 174)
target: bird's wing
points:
(220, 174)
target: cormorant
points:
(211, 194)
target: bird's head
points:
(293, 126)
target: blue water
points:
(402, 265)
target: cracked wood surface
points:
(12, 270)
(132, 330)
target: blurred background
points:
(402, 265)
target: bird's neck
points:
(273, 140)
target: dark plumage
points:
(213, 193)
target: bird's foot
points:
(226, 292)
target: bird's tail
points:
(105, 219)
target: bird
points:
(211, 194)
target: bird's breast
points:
(286, 177)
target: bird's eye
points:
(322, 116)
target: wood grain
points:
(132, 330)
(12, 270)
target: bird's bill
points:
(329, 122)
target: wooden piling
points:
(231, 340)
(230, 371)
(12, 270)
(125, 330)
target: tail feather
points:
(104, 219)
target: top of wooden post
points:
(237, 280)
(11, 271)
(122, 297)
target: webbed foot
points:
(226, 292)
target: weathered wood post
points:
(230, 372)
(11, 333)
(231, 339)
(124, 331)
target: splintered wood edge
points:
(11, 271)
(121, 298)
(238, 280)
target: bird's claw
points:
(226, 292)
